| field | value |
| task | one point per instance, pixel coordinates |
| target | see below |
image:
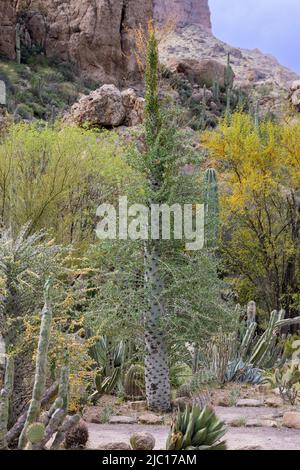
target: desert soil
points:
(237, 438)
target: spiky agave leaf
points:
(196, 429)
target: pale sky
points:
(273, 26)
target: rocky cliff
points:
(8, 28)
(94, 34)
(183, 13)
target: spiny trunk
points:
(156, 363)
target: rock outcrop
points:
(108, 107)
(200, 72)
(294, 95)
(94, 34)
(183, 13)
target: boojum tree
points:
(156, 362)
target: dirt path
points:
(264, 437)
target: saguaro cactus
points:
(41, 367)
(18, 43)
(229, 74)
(211, 207)
(5, 395)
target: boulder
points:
(114, 446)
(134, 107)
(150, 418)
(142, 441)
(273, 402)
(92, 415)
(122, 420)
(108, 107)
(249, 402)
(291, 419)
(294, 94)
(140, 405)
(201, 72)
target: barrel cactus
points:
(196, 428)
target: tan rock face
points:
(183, 12)
(8, 31)
(95, 34)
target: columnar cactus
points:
(229, 75)
(211, 207)
(5, 395)
(18, 43)
(264, 353)
(216, 91)
(247, 341)
(41, 367)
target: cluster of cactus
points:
(265, 352)
(196, 429)
(287, 380)
(220, 351)
(38, 428)
(77, 437)
(211, 207)
(134, 383)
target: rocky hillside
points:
(96, 35)
(259, 74)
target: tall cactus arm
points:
(41, 367)
(5, 396)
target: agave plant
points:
(239, 371)
(196, 428)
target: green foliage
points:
(56, 178)
(41, 88)
(287, 380)
(196, 429)
(25, 264)
(234, 396)
(259, 170)
(105, 414)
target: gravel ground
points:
(264, 437)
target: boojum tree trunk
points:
(156, 362)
